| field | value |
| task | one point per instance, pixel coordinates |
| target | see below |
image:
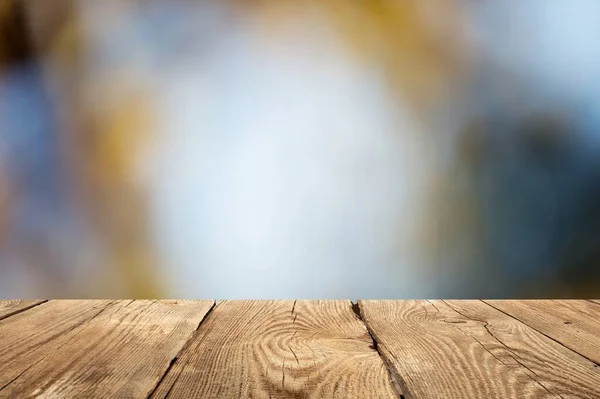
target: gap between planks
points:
(183, 348)
(391, 360)
(20, 309)
(53, 341)
(384, 354)
(393, 373)
(344, 341)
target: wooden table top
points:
(300, 349)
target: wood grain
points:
(433, 349)
(279, 349)
(12, 307)
(573, 323)
(556, 368)
(436, 352)
(28, 337)
(94, 348)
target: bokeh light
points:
(317, 149)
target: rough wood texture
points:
(29, 337)
(575, 324)
(321, 349)
(435, 351)
(94, 348)
(560, 370)
(282, 349)
(12, 307)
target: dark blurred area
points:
(265, 149)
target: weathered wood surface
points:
(94, 348)
(560, 370)
(12, 307)
(280, 349)
(575, 324)
(467, 349)
(312, 349)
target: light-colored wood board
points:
(28, 337)
(279, 349)
(435, 352)
(77, 349)
(558, 369)
(573, 323)
(12, 307)
(595, 301)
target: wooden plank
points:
(94, 348)
(435, 352)
(12, 307)
(575, 324)
(279, 349)
(558, 369)
(27, 337)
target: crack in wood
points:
(21, 373)
(515, 356)
(283, 375)
(544, 334)
(395, 378)
(294, 307)
(294, 353)
(433, 304)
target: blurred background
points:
(315, 149)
